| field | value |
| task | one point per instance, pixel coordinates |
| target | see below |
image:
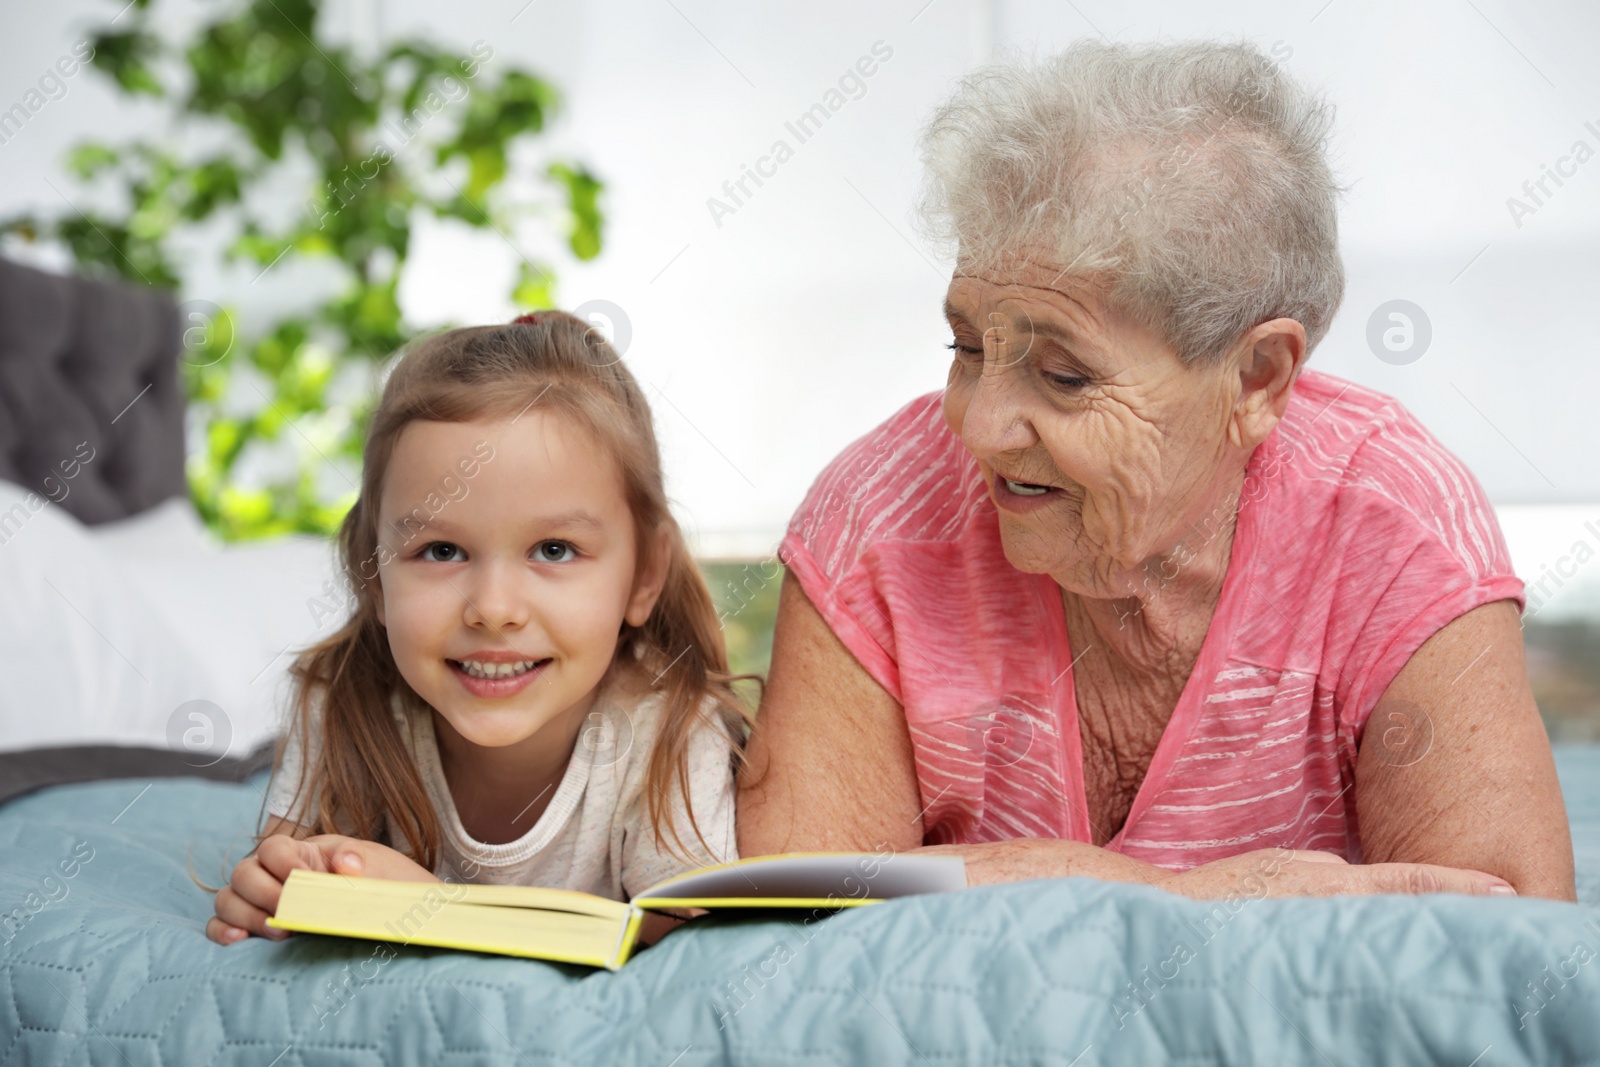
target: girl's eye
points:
(453, 552)
(555, 551)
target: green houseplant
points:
(374, 140)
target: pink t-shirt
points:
(1358, 537)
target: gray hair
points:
(1189, 180)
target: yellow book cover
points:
(571, 927)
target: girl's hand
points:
(251, 897)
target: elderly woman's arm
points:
(1455, 767)
(831, 768)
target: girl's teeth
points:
(1026, 489)
(499, 670)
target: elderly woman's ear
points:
(1268, 359)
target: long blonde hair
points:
(363, 772)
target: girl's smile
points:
(492, 680)
(504, 605)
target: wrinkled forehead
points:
(1035, 268)
(1032, 296)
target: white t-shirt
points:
(595, 835)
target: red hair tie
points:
(530, 318)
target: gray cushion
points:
(75, 354)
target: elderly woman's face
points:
(1101, 449)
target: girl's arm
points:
(251, 897)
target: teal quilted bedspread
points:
(109, 965)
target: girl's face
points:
(530, 558)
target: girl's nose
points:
(494, 599)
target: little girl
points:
(532, 688)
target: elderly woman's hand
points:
(1282, 872)
(1268, 872)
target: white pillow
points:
(217, 623)
(84, 655)
(243, 609)
(170, 530)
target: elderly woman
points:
(1139, 596)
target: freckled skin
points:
(1143, 450)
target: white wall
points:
(811, 313)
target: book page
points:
(423, 913)
(508, 896)
(531, 896)
(810, 879)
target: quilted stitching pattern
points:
(116, 969)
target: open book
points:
(572, 927)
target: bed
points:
(177, 642)
(110, 965)
(108, 813)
